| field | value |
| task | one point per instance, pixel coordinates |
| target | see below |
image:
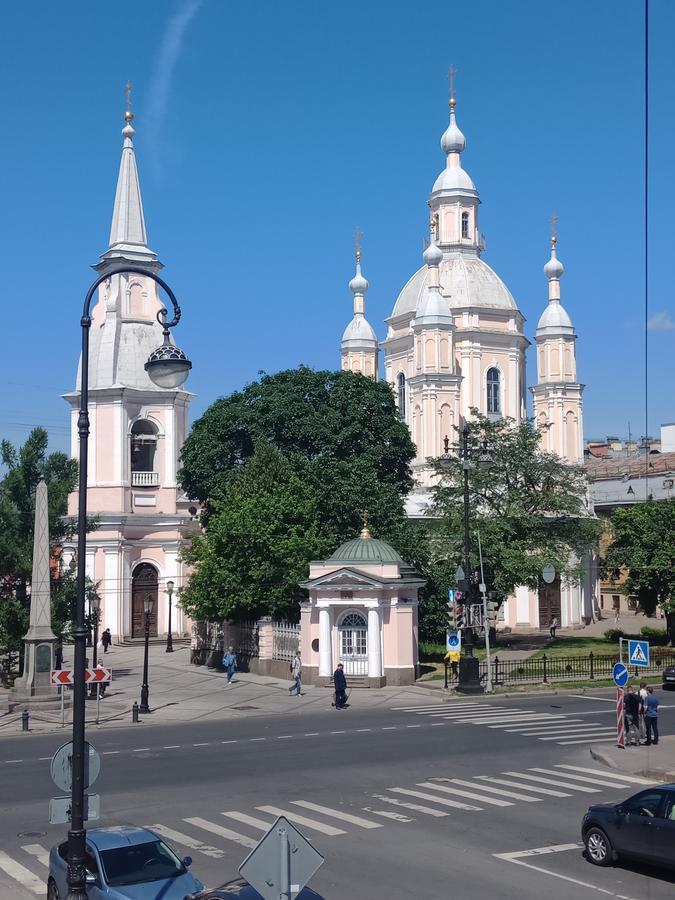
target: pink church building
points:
(136, 433)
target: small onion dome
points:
(433, 255)
(358, 284)
(452, 140)
(128, 131)
(553, 268)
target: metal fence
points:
(544, 668)
(286, 640)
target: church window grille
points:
(465, 225)
(401, 395)
(493, 392)
(143, 446)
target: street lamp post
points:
(169, 636)
(94, 613)
(145, 690)
(469, 674)
(168, 367)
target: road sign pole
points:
(63, 708)
(285, 872)
(620, 736)
(486, 624)
(98, 702)
(620, 649)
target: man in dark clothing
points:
(106, 640)
(631, 709)
(340, 683)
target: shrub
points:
(656, 636)
(613, 634)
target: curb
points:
(645, 771)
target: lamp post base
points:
(469, 680)
(144, 707)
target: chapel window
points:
(143, 448)
(465, 225)
(401, 394)
(493, 392)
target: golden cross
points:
(358, 234)
(554, 225)
(127, 90)
(452, 71)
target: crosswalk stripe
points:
(592, 735)
(542, 729)
(433, 706)
(336, 814)
(502, 793)
(464, 713)
(472, 795)
(527, 787)
(248, 820)
(214, 828)
(21, 874)
(595, 740)
(388, 814)
(561, 784)
(427, 810)
(511, 717)
(527, 721)
(604, 781)
(39, 852)
(301, 820)
(442, 800)
(179, 838)
(632, 779)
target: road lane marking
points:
(492, 790)
(544, 729)
(39, 852)
(109, 752)
(407, 726)
(21, 874)
(284, 737)
(593, 740)
(363, 729)
(599, 699)
(433, 706)
(472, 795)
(228, 742)
(592, 734)
(608, 780)
(389, 727)
(172, 747)
(527, 722)
(301, 820)
(427, 810)
(387, 814)
(444, 801)
(214, 828)
(204, 744)
(140, 749)
(527, 787)
(336, 814)
(179, 838)
(560, 784)
(337, 732)
(248, 820)
(13, 761)
(631, 779)
(257, 739)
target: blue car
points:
(125, 862)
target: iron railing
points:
(544, 669)
(286, 640)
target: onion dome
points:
(433, 255)
(553, 268)
(452, 139)
(554, 321)
(358, 284)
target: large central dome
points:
(465, 281)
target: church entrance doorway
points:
(354, 644)
(143, 584)
(549, 602)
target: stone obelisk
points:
(39, 640)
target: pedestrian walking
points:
(296, 672)
(552, 625)
(106, 640)
(652, 717)
(643, 697)
(631, 712)
(229, 664)
(340, 683)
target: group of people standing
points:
(641, 715)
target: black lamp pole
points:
(169, 636)
(94, 613)
(469, 674)
(163, 362)
(145, 689)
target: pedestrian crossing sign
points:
(638, 653)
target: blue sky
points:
(267, 132)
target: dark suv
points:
(668, 678)
(642, 827)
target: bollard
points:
(134, 712)
(24, 720)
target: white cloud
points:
(661, 321)
(170, 49)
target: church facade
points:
(456, 341)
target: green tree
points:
(528, 506)
(643, 550)
(24, 467)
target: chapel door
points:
(549, 602)
(354, 644)
(143, 584)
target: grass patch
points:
(578, 646)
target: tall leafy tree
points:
(642, 551)
(528, 506)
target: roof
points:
(119, 836)
(465, 281)
(365, 550)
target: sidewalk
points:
(181, 692)
(652, 762)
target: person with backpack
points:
(296, 672)
(229, 664)
(340, 683)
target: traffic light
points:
(459, 611)
(492, 613)
(452, 616)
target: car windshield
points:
(137, 863)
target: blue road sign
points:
(451, 596)
(453, 640)
(638, 653)
(620, 674)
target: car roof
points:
(119, 836)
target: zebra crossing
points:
(231, 833)
(560, 728)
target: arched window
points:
(493, 398)
(401, 394)
(143, 450)
(465, 224)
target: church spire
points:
(128, 238)
(554, 319)
(358, 347)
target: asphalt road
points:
(398, 800)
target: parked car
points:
(642, 827)
(241, 890)
(125, 862)
(668, 678)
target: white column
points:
(325, 645)
(112, 590)
(169, 448)
(374, 656)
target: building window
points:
(493, 398)
(465, 225)
(616, 601)
(401, 394)
(143, 452)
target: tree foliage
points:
(642, 549)
(528, 506)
